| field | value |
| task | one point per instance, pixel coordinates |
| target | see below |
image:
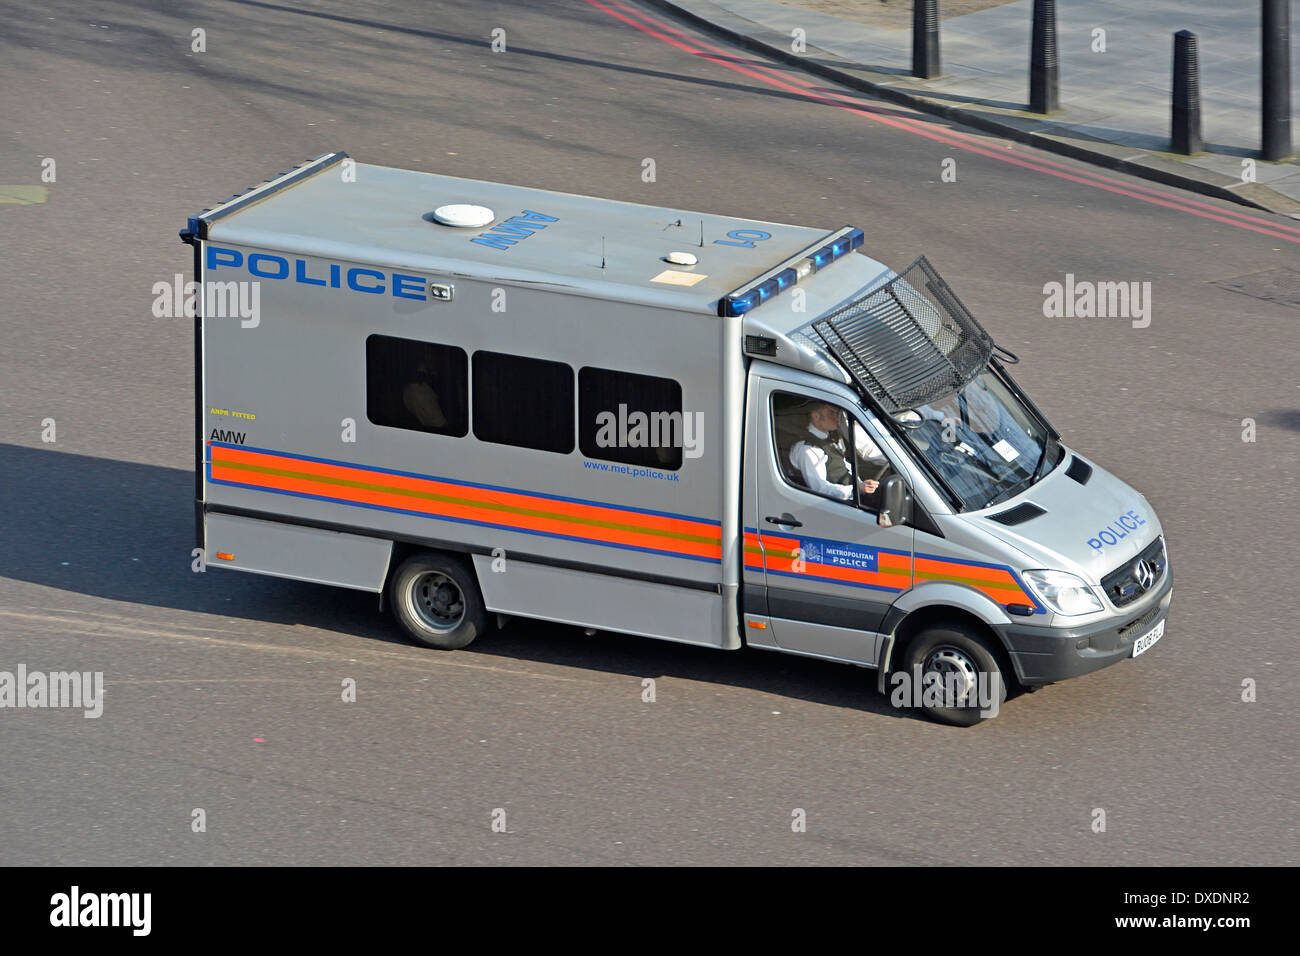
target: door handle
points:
(787, 519)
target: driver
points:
(821, 455)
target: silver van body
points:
(302, 473)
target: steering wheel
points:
(879, 471)
(952, 459)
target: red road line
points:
(655, 29)
(956, 137)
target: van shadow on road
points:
(124, 532)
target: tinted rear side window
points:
(630, 418)
(416, 385)
(525, 402)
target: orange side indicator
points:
(224, 556)
(758, 625)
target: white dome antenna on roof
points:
(464, 215)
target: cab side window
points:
(872, 469)
(812, 445)
(822, 449)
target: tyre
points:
(436, 600)
(966, 668)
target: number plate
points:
(1144, 643)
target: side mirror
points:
(895, 502)
(910, 419)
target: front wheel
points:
(961, 682)
(436, 600)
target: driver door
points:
(831, 570)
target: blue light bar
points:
(738, 303)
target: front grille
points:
(1139, 624)
(1123, 586)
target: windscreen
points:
(982, 440)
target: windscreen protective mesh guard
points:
(909, 341)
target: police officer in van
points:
(821, 456)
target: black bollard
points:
(1186, 134)
(1275, 101)
(1044, 67)
(925, 38)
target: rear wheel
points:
(962, 682)
(436, 600)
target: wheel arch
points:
(943, 603)
(405, 549)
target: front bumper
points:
(1042, 655)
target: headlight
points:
(1064, 593)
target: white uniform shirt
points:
(810, 461)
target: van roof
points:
(581, 245)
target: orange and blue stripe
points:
(895, 570)
(427, 496)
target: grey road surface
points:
(223, 691)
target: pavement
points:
(1115, 86)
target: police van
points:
(482, 400)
